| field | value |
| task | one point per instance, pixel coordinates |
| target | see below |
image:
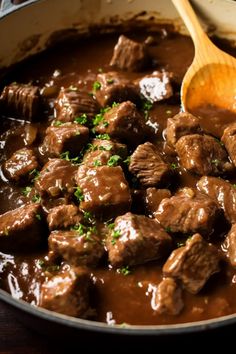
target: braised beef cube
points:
(22, 228)
(71, 104)
(153, 198)
(130, 55)
(124, 123)
(181, 124)
(56, 178)
(203, 155)
(67, 293)
(105, 152)
(167, 298)
(115, 87)
(76, 249)
(136, 239)
(147, 165)
(64, 216)
(20, 100)
(229, 140)
(188, 211)
(230, 245)
(156, 86)
(193, 264)
(20, 165)
(105, 191)
(67, 137)
(222, 192)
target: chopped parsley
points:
(103, 136)
(174, 166)
(91, 147)
(215, 162)
(180, 244)
(146, 107)
(115, 235)
(113, 160)
(97, 163)
(96, 86)
(38, 216)
(79, 194)
(66, 156)
(36, 198)
(57, 123)
(98, 119)
(83, 119)
(88, 215)
(26, 191)
(124, 270)
(105, 148)
(127, 160)
(110, 81)
(111, 226)
(115, 104)
(168, 229)
(35, 174)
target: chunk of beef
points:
(147, 164)
(156, 86)
(193, 264)
(105, 190)
(181, 124)
(67, 293)
(64, 216)
(229, 139)
(203, 155)
(130, 55)
(167, 298)
(56, 178)
(67, 137)
(124, 123)
(153, 198)
(136, 239)
(22, 228)
(230, 245)
(188, 211)
(115, 87)
(222, 192)
(71, 104)
(102, 153)
(20, 165)
(20, 100)
(76, 249)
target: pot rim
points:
(95, 326)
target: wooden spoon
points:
(211, 78)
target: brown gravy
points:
(119, 298)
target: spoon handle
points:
(190, 19)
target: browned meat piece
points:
(67, 137)
(22, 228)
(20, 165)
(147, 165)
(229, 139)
(71, 104)
(156, 86)
(222, 192)
(114, 87)
(102, 153)
(203, 155)
(67, 293)
(188, 211)
(20, 100)
(193, 264)
(181, 124)
(137, 239)
(130, 55)
(153, 198)
(56, 178)
(105, 191)
(76, 249)
(167, 298)
(124, 123)
(230, 245)
(63, 216)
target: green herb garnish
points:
(79, 194)
(113, 160)
(83, 119)
(26, 191)
(96, 86)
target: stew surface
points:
(108, 212)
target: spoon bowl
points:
(211, 78)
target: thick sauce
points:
(119, 298)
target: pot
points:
(28, 28)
